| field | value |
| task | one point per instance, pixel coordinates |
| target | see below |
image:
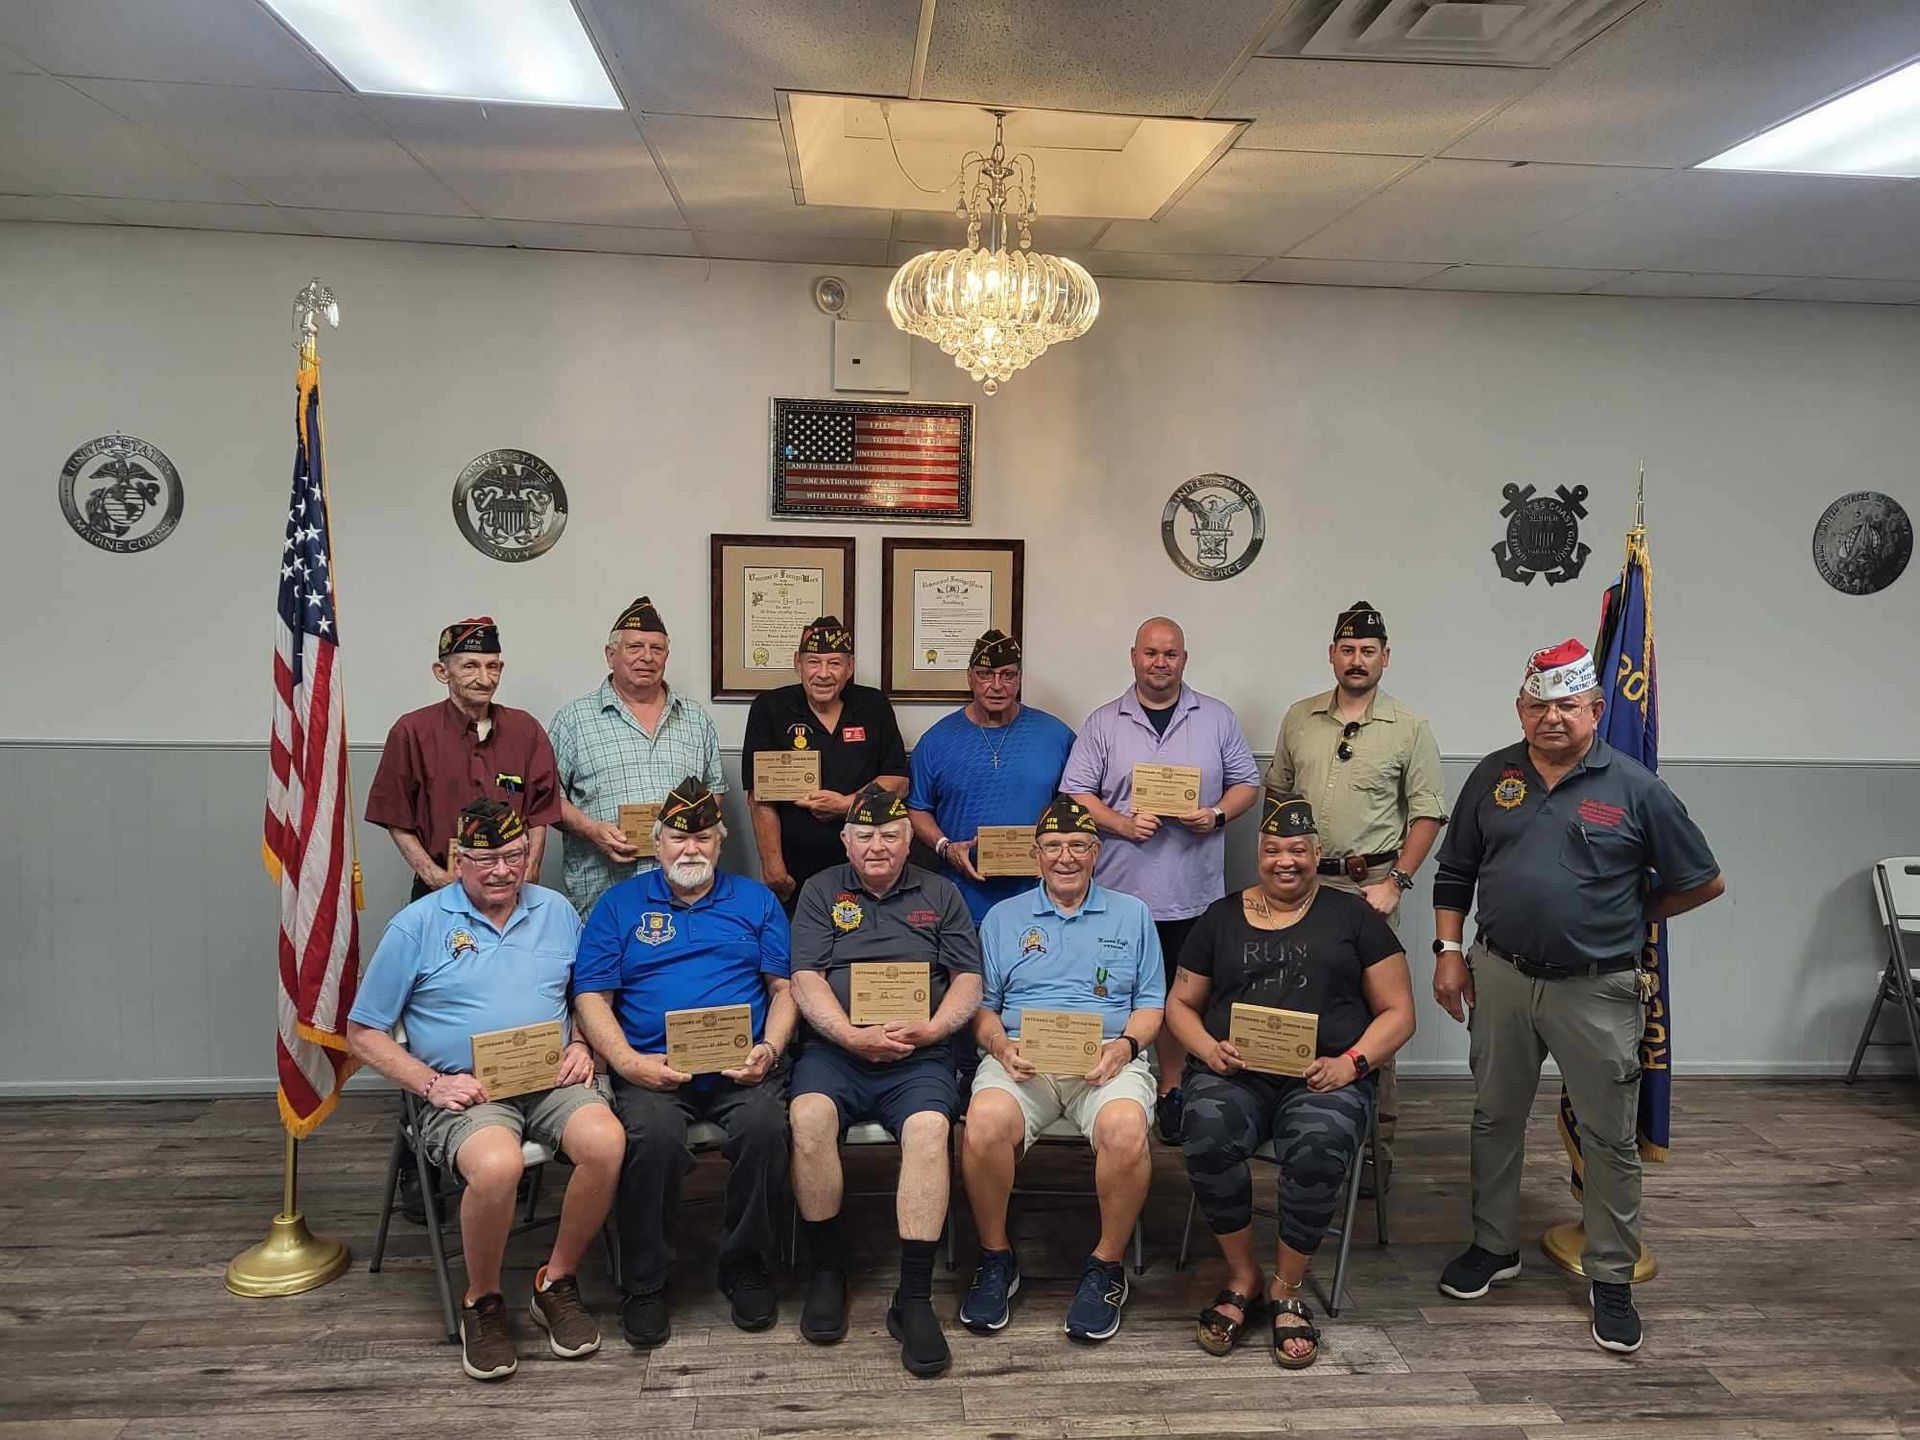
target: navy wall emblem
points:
(655, 928)
(1226, 526)
(121, 494)
(510, 504)
(1543, 534)
(1862, 542)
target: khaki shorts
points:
(539, 1115)
(1046, 1099)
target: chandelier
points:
(994, 309)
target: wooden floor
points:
(1787, 1226)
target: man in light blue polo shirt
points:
(686, 937)
(1067, 944)
(491, 952)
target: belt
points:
(1535, 970)
(1355, 867)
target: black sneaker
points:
(1472, 1273)
(750, 1288)
(996, 1280)
(1169, 1111)
(644, 1320)
(1616, 1324)
(823, 1314)
(923, 1345)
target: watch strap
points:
(1133, 1045)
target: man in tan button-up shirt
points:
(1371, 770)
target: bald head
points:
(1159, 660)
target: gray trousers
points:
(1591, 1026)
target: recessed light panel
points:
(1874, 130)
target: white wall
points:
(1377, 426)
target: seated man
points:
(493, 952)
(684, 937)
(1068, 944)
(853, 924)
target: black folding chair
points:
(1896, 894)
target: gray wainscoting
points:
(137, 952)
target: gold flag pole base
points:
(1564, 1244)
(292, 1259)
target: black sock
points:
(823, 1243)
(916, 1269)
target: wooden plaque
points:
(785, 774)
(636, 823)
(1275, 1042)
(1005, 850)
(518, 1061)
(1060, 1042)
(1166, 789)
(713, 1037)
(883, 990)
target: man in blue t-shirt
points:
(686, 937)
(992, 762)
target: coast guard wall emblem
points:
(121, 494)
(1212, 527)
(1862, 542)
(1543, 534)
(510, 504)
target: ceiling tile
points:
(613, 239)
(289, 147)
(809, 249)
(380, 225)
(1852, 224)
(195, 215)
(56, 208)
(209, 42)
(1462, 209)
(1526, 279)
(1680, 80)
(1256, 202)
(695, 57)
(1872, 292)
(1679, 283)
(536, 162)
(733, 179)
(1287, 271)
(1120, 265)
(63, 141)
(1364, 108)
(1121, 56)
(928, 228)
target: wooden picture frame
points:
(936, 598)
(762, 589)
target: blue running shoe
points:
(1095, 1312)
(995, 1282)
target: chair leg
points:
(437, 1244)
(1139, 1248)
(610, 1238)
(1381, 1180)
(534, 1177)
(388, 1200)
(1346, 1237)
(1873, 1017)
(1186, 1236)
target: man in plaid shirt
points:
(627, 742)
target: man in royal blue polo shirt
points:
(686, 937)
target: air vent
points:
(1522, 33)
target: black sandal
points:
(1283, 1333)
(1218, 1332)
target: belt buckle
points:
(1356, 867)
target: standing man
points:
(685, 937)
(858, 739)
(625, 743)
(1371, 770)
(1176, 863)
(992, 762)
(1574, 849)
(875, 909)
(439, 759)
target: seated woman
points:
(1289, 943)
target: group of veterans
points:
(1571, 848)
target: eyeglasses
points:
(1345, 749)
(1079, 849)
(1005, 675)
(484, 860)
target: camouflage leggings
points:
(1315, 1138)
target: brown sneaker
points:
(486, 1344)
(571, 1329)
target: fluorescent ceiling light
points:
(1874, 130)
(519, 52)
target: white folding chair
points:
(1896, 895)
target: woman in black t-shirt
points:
(1286, 943)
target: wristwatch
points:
(1132, 1044)
(1219, 818)
(1440, 947)
(1360, 1066)
(1400, 878)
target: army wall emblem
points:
(1862, 542)
(121, 494)
(1222, 530)
(1543, 534)
(510, 504)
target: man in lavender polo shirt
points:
(1176, 863)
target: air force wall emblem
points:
(1226, 529)
(1543, 534)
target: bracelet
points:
(1132, 1044)
(940, 846)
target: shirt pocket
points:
(1591, 852)
(1116, 972)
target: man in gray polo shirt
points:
(1574, 849)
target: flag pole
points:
(292, 1259)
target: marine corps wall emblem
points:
(1862, 542)
(1543, 534)
(121, 494)
(510, 504)
(1224, 530)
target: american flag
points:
(838, 457)
(309, 834)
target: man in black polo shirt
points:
(1574, 849)
(886, 969)
(853, 729)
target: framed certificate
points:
(936, 599)
(763, 589)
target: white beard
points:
(690, 872)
